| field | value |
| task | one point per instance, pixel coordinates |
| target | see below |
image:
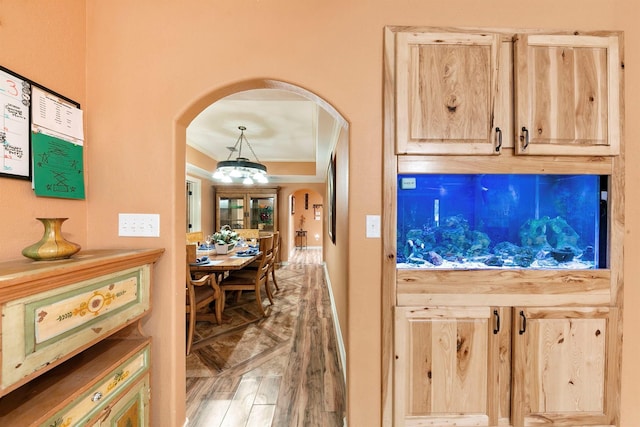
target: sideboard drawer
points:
(39, 329)
(101, 396)
(84, 389)
(130, 410)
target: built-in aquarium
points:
(502, 221)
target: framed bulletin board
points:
(15, 125)
(41, 137)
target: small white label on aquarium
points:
(407, 183)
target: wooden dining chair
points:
(195, 238)
(276, 255)
(248, 233)
(251, 280)
(264, 247)
(200, 293)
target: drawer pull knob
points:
(96, 397)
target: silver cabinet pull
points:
(96, 396)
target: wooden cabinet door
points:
(568, 94)
(263, 212)
(565, 366)
(230, 210)
(446, 93)
(246, 207)
(446, 366)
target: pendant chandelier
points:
(241, 169)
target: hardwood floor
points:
(282, 370)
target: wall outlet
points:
(138, 225)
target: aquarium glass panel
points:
(501, 221)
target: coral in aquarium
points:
(545, 243)
(452, 241)
(549, 233)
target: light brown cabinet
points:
(447, 86)
(72, 351)
(466, 93)
(446, 366)
(246, 207)
(473, 366)
(564, 369)
(518, 347)
(568, 94)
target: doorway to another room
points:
(306, 221)
(276, 358)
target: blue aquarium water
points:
(501, 221)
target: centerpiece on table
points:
(225, 239)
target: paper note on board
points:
(61, 118)
(58, 168)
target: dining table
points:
(209, 261)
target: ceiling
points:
(281, 127)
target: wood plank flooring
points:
(282, 370)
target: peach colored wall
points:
(141, 75)
(165, 56)
(311, 225)
(337, 257)
(43, 42)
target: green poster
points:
(58, 168)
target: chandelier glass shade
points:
(241, 168)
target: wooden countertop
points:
(24, 276)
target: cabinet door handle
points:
(523, 326)
(525, 137)
(497, 328)
(96, 396)
(499, 136)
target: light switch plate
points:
(138, 225)
(373, 226)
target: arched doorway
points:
(336, 277)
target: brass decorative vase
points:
(52, 245)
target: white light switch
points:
(373, 226)
(138, 225)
